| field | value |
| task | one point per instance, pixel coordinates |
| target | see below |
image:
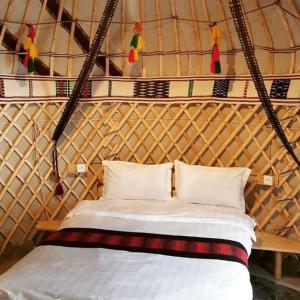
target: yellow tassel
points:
(136, 55)
(33, 51)
(140, 42)
(27, 43)
(216, 35)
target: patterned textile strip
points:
(182, 246)
(230, 90)
(2, 93)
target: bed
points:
(111, 249)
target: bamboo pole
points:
(54, 37)
(19, 37)
(71, 39)
(8, 10)
(196, 35)
(264, 24)
(291, 37)
(176, 35)
(159, 37)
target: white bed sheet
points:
(54, 272)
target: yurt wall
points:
(177, 43)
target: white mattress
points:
(55, 272)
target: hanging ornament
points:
(136, 43)
(215, 66)
(31, 49)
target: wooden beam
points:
(80, 36)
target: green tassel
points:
(31, 66)
(218, 67)
(134, 41)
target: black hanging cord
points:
(83, 77)
(241, 28)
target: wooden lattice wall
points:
(208, 134)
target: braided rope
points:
(82, 80)
(240, 25)
(86, 69)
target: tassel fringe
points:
(136, 43)
(59, 191)
(32, 52)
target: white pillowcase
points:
(125, 181)
(211, 185)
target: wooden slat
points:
(142, 133)
(71, 38)
(196, 35)
(265, 26)
(54, 37)
(142, 19)
(19, 37)
(3, 29)
(291, 37)
(176, 37)
(159, 37)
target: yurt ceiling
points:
(176, 34)
(213, 131)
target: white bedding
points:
(55, 272)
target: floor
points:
(264, 287)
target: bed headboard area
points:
(207, 130)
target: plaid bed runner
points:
(183, 246)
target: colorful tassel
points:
(31, 67)
(137, 28)
(136, 43)
(216, 35)
(215, 66)
(32, 52)
(136, 55)
(131, 55)
(26, 60)
(140, 42)
(27, 43)
(59, 190)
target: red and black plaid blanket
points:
(184, 246)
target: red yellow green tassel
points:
(136, 43)
(215, 66)
(32, 52)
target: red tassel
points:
(138, 28)
(59, 191)
(215, 53)
(212, 67)
(26, 60)
(31, 31)
(131, 55)
(215, 66)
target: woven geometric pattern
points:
(212, 134)
(279, 88)
(64, 88)
(151, 89)
(2, 93)
(238, 90)
(221, 88)
(87, 90)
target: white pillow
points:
(125, 180)
(211, 185)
